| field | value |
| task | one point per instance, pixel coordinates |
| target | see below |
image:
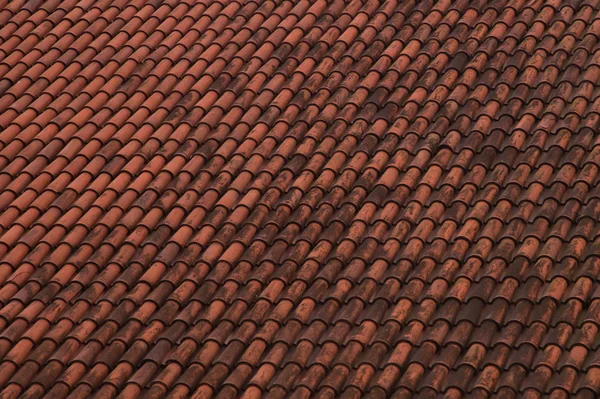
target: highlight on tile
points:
(299, 199)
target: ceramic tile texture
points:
(294, 199)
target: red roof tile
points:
(285, 198)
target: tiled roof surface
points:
(299, 199)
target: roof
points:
(299, 199)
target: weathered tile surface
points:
(294, 199)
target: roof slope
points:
(299, 199)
